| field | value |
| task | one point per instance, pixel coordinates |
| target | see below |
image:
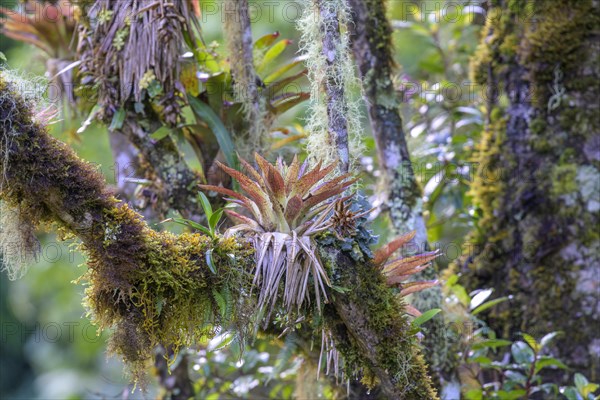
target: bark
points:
(537, 184)
(175, 182)
(157, 288)
(372, 48)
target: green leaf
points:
(522, 353)
(512, 395)
(426, 316)
(160, 133)
(488, 304)
(154, 89)
(571, 394)
(589, 389)
(3, 57)
(340, 289)
(531, 342)
(274, 52)
(545, 362)
(117, 120)
(580, 382)
(209, 261)
(213, 396)
(474, 394)
(205, 205)
(460, 292)
(481, 360)
(279, 72)
(214, 220)
(191, 224)
(206, 114)
(516, 377)
(452, 280)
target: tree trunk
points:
(538, 182)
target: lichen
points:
(19, 247)
(320, 146)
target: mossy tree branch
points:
(158, 288)
(152, 288)
(371, 331)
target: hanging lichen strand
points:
(333, 117)
(18, 245)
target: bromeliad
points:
(288, 206)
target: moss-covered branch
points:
(152, 288)
(161, 289)
(372, 332)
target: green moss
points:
(382, 345)
(563, 179)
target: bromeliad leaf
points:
(265, 41)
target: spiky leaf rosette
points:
(288, 205)
(399, 271)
